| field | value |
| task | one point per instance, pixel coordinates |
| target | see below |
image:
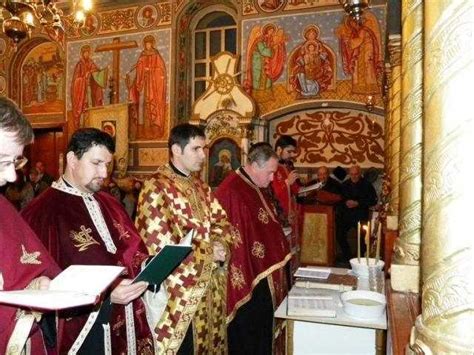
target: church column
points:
(445, 325)
(387, 124)
(405, 269)
(394, 134)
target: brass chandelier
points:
(355, 8)
(19, 17)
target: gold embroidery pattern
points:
(236, 277)
(83, 239)
(236, 238)
(29, 258)
(262, 216)
(258, 250)
(121, 229)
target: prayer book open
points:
(78, 285)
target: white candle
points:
(379, 234)
(358, 242)
(367, 243)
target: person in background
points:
(24, 262)
(43, 176)
(358, 196)
(19, 193)
(38, 184)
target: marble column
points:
(406, 257)
(446, 324)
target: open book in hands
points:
(78, 285)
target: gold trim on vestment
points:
(256, 188)
(254, 283)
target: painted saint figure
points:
(266, 54)
(361, 53)
(311, 67)
(87, 87)
(147, 92)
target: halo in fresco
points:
(147, 16)
(91, 25)
(270, 5)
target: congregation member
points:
(24, 262)
(79, 224)
(173, 202)
(358, 196)
(38, 185)
(330, 192)
(257, 277)
(43, 176)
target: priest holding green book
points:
(79, 224)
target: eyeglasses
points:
(18, 163)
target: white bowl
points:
(362, 269)
(363, 304)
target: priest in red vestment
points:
(285, 183)
(257, 278)
(24, 262)
(80, 225)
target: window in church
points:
(214, 33)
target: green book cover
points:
(163, 264)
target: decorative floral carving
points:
(118, 20)
(223, 124)
(165, 10)
(335, 137)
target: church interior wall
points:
(295, 28)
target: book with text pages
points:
(78, 285)
(312, 187)
(164, 263)
(313, 272)
(310, 302)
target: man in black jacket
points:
(358, 196)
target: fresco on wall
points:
(311, 66)
(351, 53)
(140, 63)
(361, 54)
(266, 56)
(147, 16)
(333, 137)
(270, 5)
(42, 85)
(91, 25)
